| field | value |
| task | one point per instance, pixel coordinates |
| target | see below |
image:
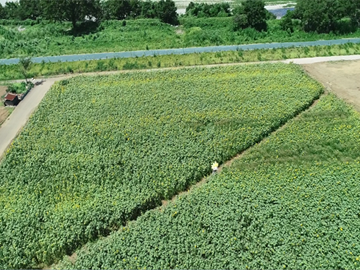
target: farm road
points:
(12, 126)
(17, 120)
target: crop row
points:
(102, 150)
(291, 201)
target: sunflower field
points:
(290, 202)
(102, 150)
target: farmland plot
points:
(291, 201)
(102, 150)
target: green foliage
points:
(18, 88)
(70, 10)
(102, 150)
(12, 10)
(24, 66)
(251, 13)
(326, 15)
(30, 9)
(110, 36)
(165, 10)
(286, 23)
(208, 10)
(290, 202)
(8, 72)
(2, 12)
(117, 9)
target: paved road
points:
(13, 125)
(303, 61)
(98, 56)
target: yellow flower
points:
(215, 165)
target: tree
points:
(24, 66)
(116, 9)
(135, 7)
(71, 10)
(240, 21)
(30, 9)
(286, 22)
(251, 13)
(2, 12)
(208, 10)
(319, 15)
(351, 9)
(256, 14)
(148, 9)
(166, 12)
(12, 11)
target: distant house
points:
(11, 100)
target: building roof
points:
(10, 97)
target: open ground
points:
(4, 112)
(342, 78)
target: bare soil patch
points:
(2, 90)
(4, 113)
(341, 78)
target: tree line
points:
(322, 16)
(76, 11)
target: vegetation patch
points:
(290, 202)
(102, 150)
(8, 72)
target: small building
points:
(11, 100)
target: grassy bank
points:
(49, 69)
(29, 38)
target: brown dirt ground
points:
(4, 113)
(341, 78)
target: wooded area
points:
(321, 16)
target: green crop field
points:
(291, 202)
(102, 150)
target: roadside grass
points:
(45, 38)
(11, 72)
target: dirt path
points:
(340, 78)
(4, 112)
